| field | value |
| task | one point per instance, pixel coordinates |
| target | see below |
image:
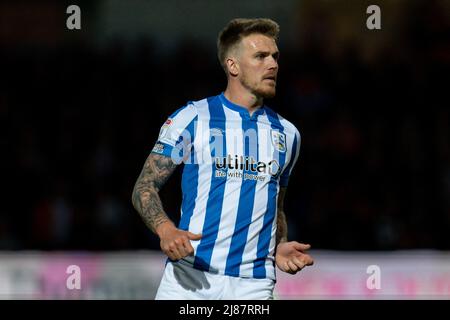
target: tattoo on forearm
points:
(282, 229)
(157, 169)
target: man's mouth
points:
(273, 78)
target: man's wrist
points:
(162, 228)
(281, 241)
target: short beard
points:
(257, 92)
(266, 94)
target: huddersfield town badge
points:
(278, 140)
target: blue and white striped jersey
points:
(234, 165)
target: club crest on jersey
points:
(278, 140)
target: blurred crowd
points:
(374, 166)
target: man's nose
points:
(273, 64)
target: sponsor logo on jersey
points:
(216, 132)
(247, 164)
(158, 148)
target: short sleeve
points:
(284, 178)
(177, 134)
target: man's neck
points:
(243, 98)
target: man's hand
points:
(175, 242)
(291, 257)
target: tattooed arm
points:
(282, 229)
(157, 169)
(290, 257)
(174, 242)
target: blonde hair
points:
(237, 29)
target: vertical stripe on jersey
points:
(189, 181)
(246, 200)
(233, 185)
(265, 236)
(216, 192)
(202, 155)
(260, 206)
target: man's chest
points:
(241, 149)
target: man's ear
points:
(233, 67)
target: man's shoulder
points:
(286, 124)
(192, 108)
(200, 103)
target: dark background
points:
(82, 109)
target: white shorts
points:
(183, 282)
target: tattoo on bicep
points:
(157, 169)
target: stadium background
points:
(81, 110)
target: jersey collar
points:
(242, 110)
